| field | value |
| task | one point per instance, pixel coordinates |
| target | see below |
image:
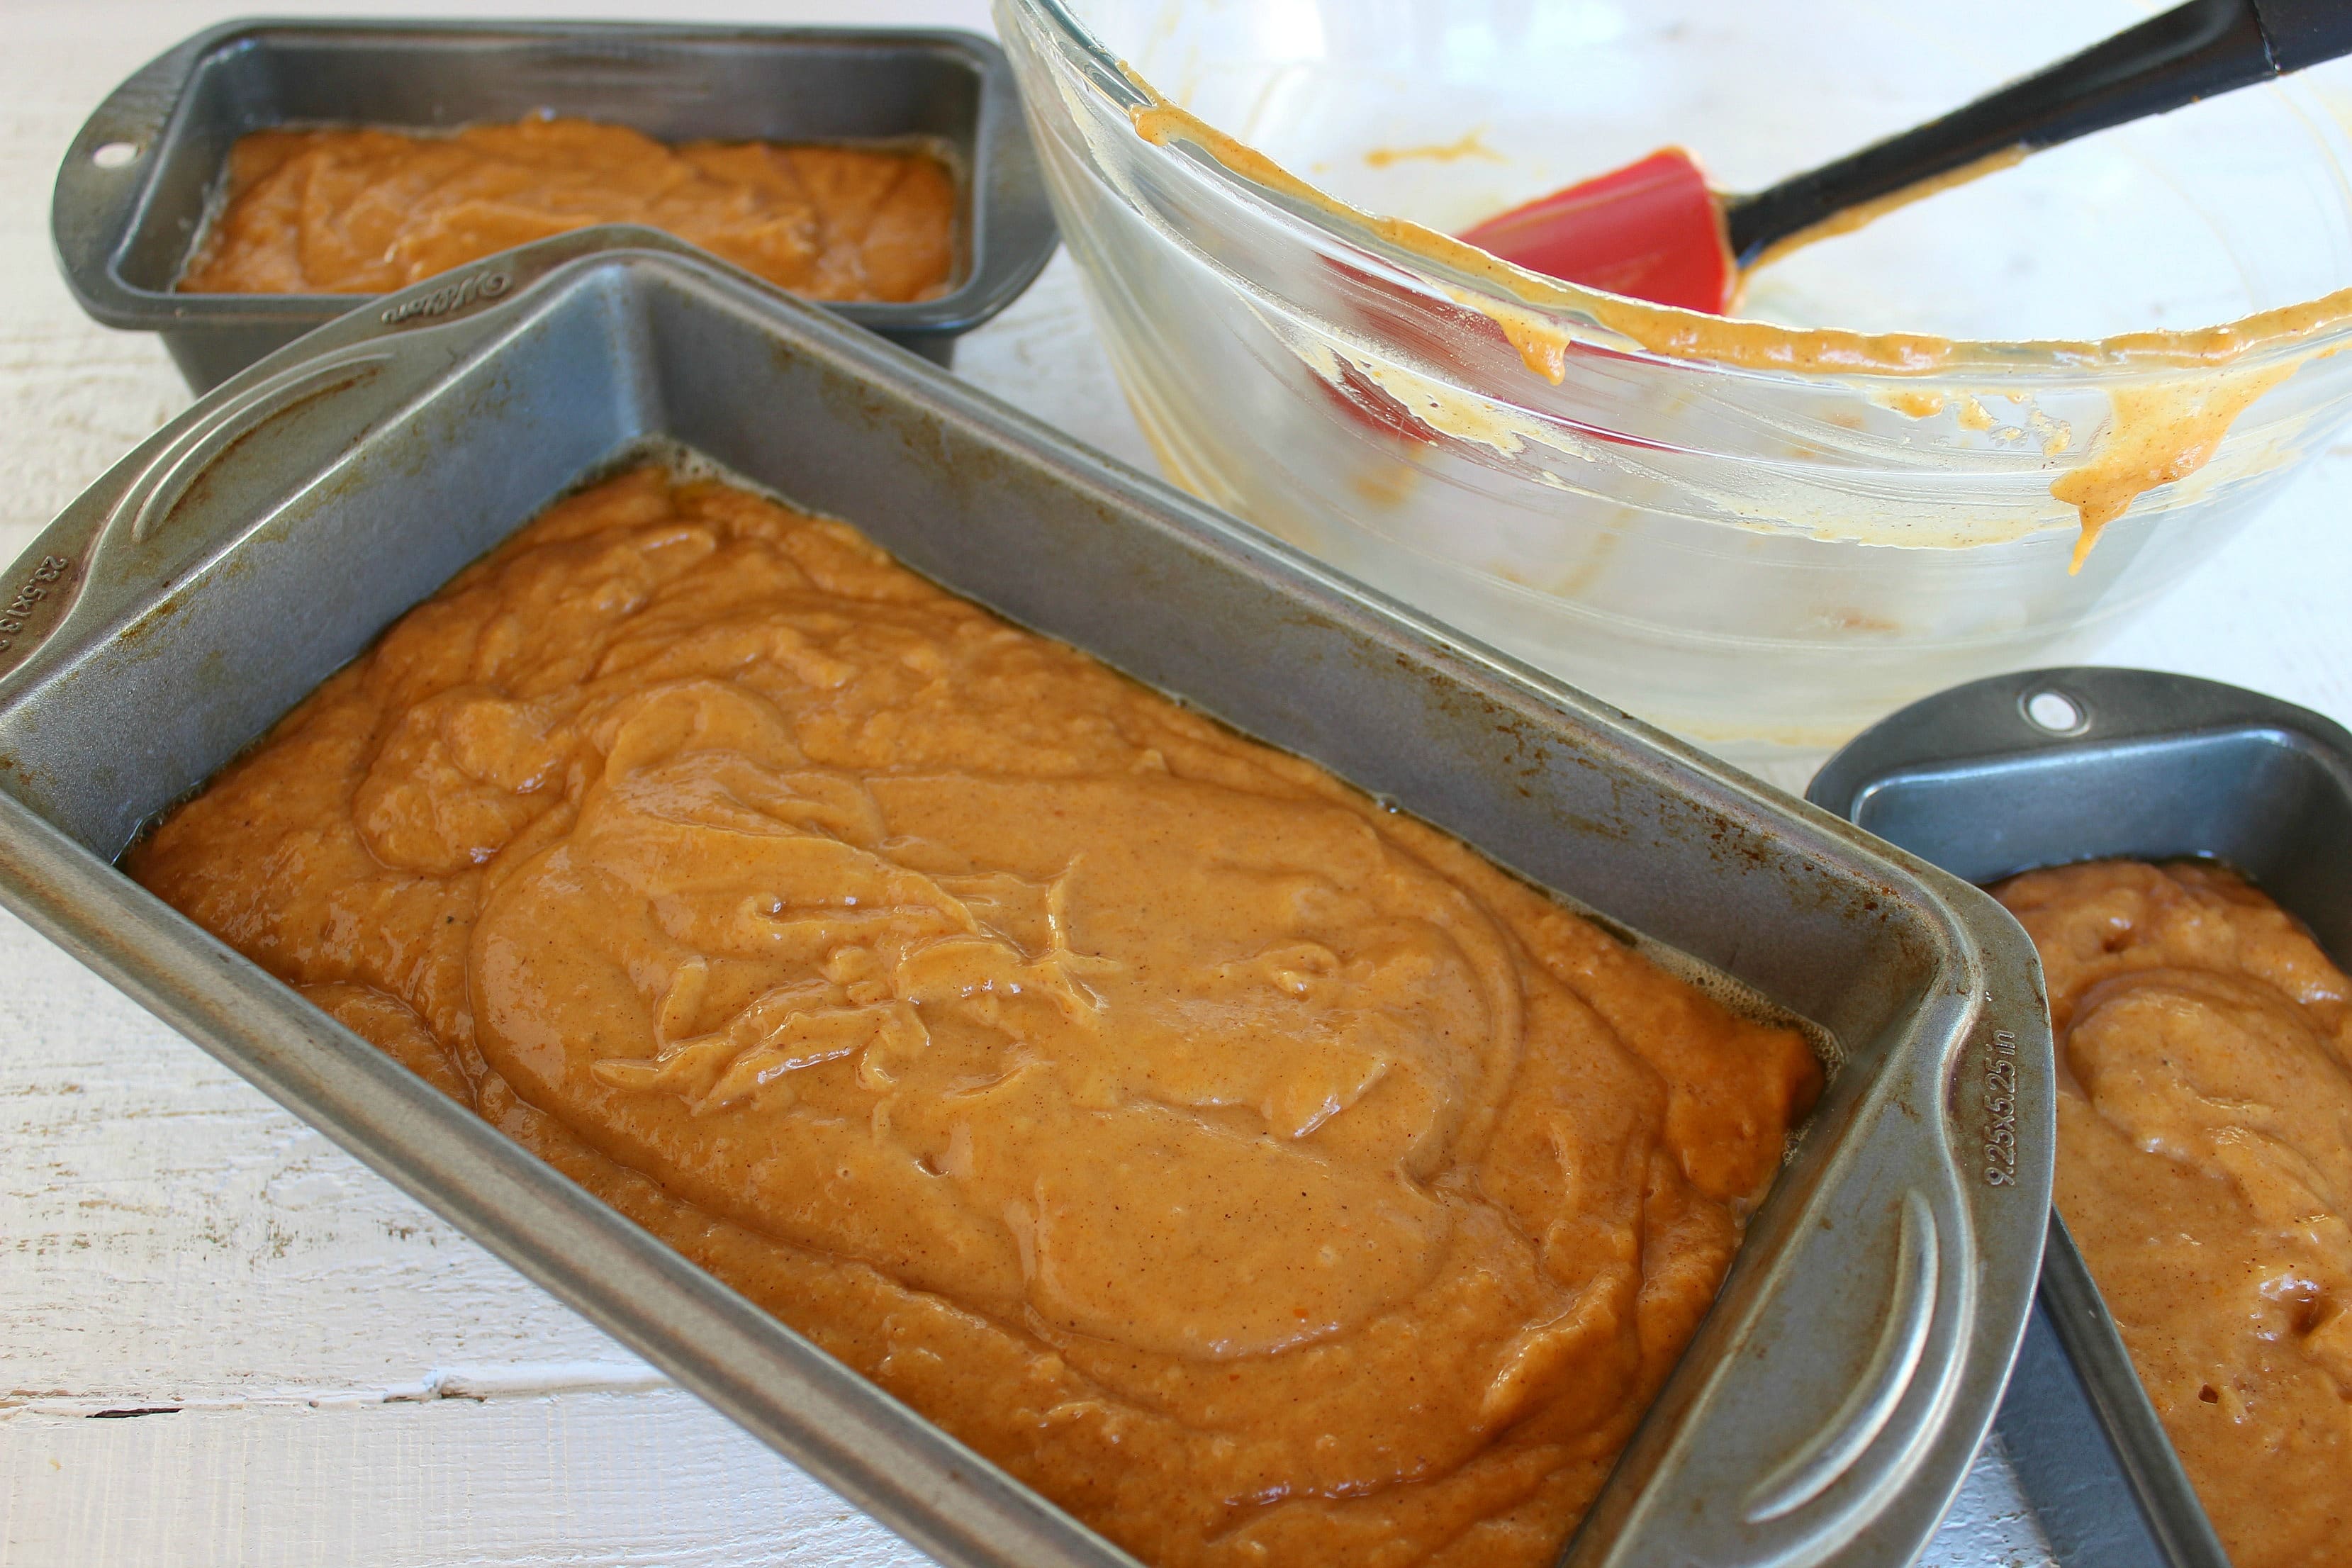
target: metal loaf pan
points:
(1836, 1395)
(123, 229)
(2126, 763)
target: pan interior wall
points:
(673, 89)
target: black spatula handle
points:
(2193, 51)
(2305, 32)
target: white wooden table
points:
(301, 1366)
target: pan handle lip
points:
(2118, 710)
(93, 205)
(1989, 720)
(95, 550)
(420, 331)
(1965, 1250)
(1995, 1039)
(95, 209)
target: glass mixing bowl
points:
(1763, 553)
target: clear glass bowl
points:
(1763, 560)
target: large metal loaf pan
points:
(1996, 777)
(124, 220)
(1833, 1399)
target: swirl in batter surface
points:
(1261, 1174)
(2205, 1169)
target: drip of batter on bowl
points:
(2205, 1169)
(1261, 1174)
(2157, 434)
(359, 210)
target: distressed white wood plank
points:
(173, 1238)
(603, 1481)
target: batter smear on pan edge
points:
(1264, 1176)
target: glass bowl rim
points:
(1576, 314)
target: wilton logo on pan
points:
(450, 297)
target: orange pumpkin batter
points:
(2205, 1168)
(360, 211)
(1259, 1173)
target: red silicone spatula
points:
(1653, 229)
(1650, 229)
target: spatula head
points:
(1651, 230)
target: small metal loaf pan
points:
(2054, 766)
(1833, 1399)
(144, 174)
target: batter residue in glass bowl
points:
(2163, 428)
